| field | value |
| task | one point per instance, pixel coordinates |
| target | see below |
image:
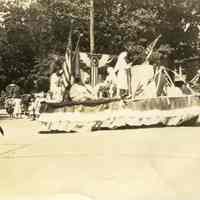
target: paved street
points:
(144, 164)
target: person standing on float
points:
(121, 68)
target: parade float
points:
(129, 112)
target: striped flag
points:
(67, 65)
(150, 48)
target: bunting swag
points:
(73, 59)
(103, 59)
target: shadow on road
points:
(54, 132)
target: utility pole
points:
(94, 69)
(91, 26)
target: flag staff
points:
(92, 45)
(91, 26)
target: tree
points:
(28, 35)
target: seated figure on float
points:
(111, 80)
(109, 86)
(89, 88)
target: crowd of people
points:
(24, 106)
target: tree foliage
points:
(28, 35)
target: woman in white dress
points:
(121, 68)
(17, 108)
(56, 88)
(111, 80)
(32, 108)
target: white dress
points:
(17, 107)
(37, 105)
(121, 68)
(55, 87)
(111, 78)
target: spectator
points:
(17, 108)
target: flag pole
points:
(91, 26)
(92, 44)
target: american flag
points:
(151, 46)
(67, 65)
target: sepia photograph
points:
(99, 99)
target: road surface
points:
(142, 164)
